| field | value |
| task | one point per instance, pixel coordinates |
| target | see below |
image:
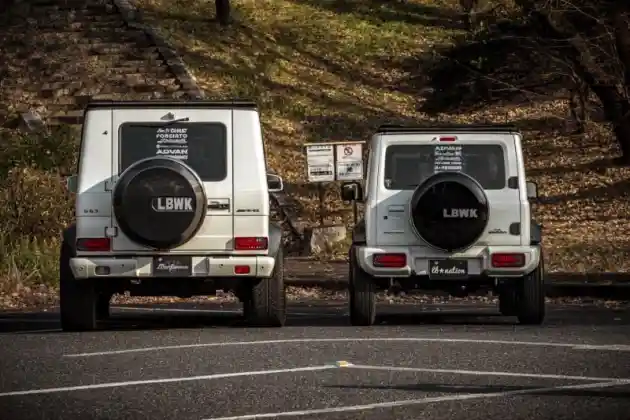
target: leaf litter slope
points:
(335, 70)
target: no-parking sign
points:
(349, 162)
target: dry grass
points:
(327, 70)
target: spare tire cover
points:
(159, 202)
(449, 211)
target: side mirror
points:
(532, 190)
(351, 191)
(72, 183)
(274, 183)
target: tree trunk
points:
(5, 5)
(622, 132)
(617, 111)
(615, 104)
(622, 44)
(223, 11)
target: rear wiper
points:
(167, 123)
(163, 124)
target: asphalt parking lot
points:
(185, 361)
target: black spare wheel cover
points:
(449, 211)
(159, 202)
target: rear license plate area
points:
(172, 266)
(446, 269)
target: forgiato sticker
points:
(172, 142)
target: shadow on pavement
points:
(159, 317)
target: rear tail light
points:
(448, 138)
(93, 244)
(503, 260)
(241, 269)
(389, 260)
(250, 244)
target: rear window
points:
(201, 145)
(407, 165)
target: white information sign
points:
(320, 161)
(349, 162)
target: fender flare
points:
(359, 236)
(69, 237)
(275, 238)
(535, 233)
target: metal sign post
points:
(333, 161)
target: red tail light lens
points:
(503, 260)
(242, 269)
(93, 244)
(250, 244)
(389, 260)
(448, 138)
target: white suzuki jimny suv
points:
(172, 198)
(447, 208)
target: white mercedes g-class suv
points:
(172, 199)
(447, 208)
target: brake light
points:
(448, 138)
(389, 260)
(93, 244)
(503, 260)
(249, 244)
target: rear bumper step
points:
(417, 261)
(141, 267)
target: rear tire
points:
(266, 304)
(362, 294)
(77, 298)
(531, 296)
(508, 303)
(102, 306)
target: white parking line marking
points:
(484, 373)
(419, 401)
(165, 380)
(615, 347)
(609, 347)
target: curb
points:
(613, 292)
(133, 18)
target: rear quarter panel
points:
(251, 199)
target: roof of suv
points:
(451, 128)
(217, 104)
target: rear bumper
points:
(418, 261)
(141, 267)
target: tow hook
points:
(394, 288)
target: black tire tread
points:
(266, 304)
(103, 306)
(77, 298)
(508, 303)
(362, 295)
(531, 297)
